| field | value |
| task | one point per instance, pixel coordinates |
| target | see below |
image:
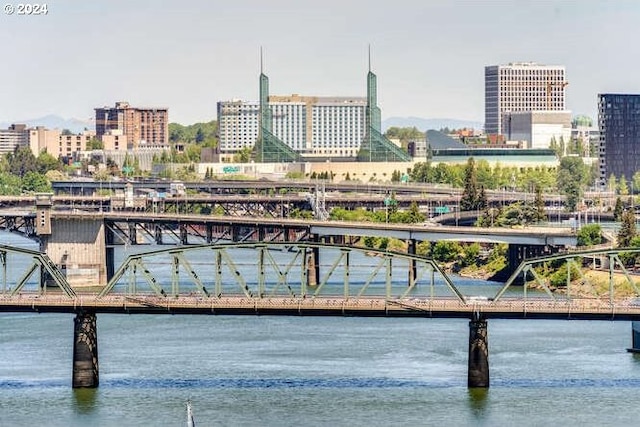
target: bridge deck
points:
(506, 308)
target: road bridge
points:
(277, 205)
(304, 279)
(99, 233)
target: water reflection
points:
(85, 400)
(478, 399)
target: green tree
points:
(541, 214)
(482, 202)
(446, 251)
(469, 199)
(411, 216)
(562, 148)
(200, 136)
(623, 188)
(10, 185)
(34, 182)
(46, 162)
(627, 229)
(636, 182)
(471, 253)
(201, 133)
(572, 177)
(557, 149)
(22, 161)
(94, 144)
(243, 155)
(617, 210)
(589, 235)
(404, 134)
(612, 183)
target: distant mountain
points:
(52, 121)
(427, 124)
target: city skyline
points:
(429, 58)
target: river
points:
(317, 371)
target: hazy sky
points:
(187, 55)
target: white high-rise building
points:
(311, 125)
(238, 124)
(521, 86)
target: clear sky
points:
(187, 55)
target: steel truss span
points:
(310, 279)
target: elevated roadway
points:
(441, 307)
(421, 232)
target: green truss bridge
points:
(312, 279)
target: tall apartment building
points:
(311, 125)
(141, 126)
(521, 86)
(15, 136)
(619, 123)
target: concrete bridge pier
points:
(635, 338)
(235, 233)
(209, 233)
(413, 269)
(184, 235)
(85, 351)
(313, 263)
(157, 234)
(133, 234)
(478, 371)
(517, 253)
(110, 252)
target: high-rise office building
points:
(141, 126)
(619, 123)
(521, 86)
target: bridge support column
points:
(518, 253)
(85, 351)
(209, 233)
(158, 234)
(110, 251)
(478, 373)
(184, 235)
(635, 338)
(313, 264)
(133, 234)
(411, 250)
(235, 233)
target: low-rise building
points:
(58, 144)
(537, 128)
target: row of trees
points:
(490, 178)
(22, 172)
(570, 179)
(205, 134)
